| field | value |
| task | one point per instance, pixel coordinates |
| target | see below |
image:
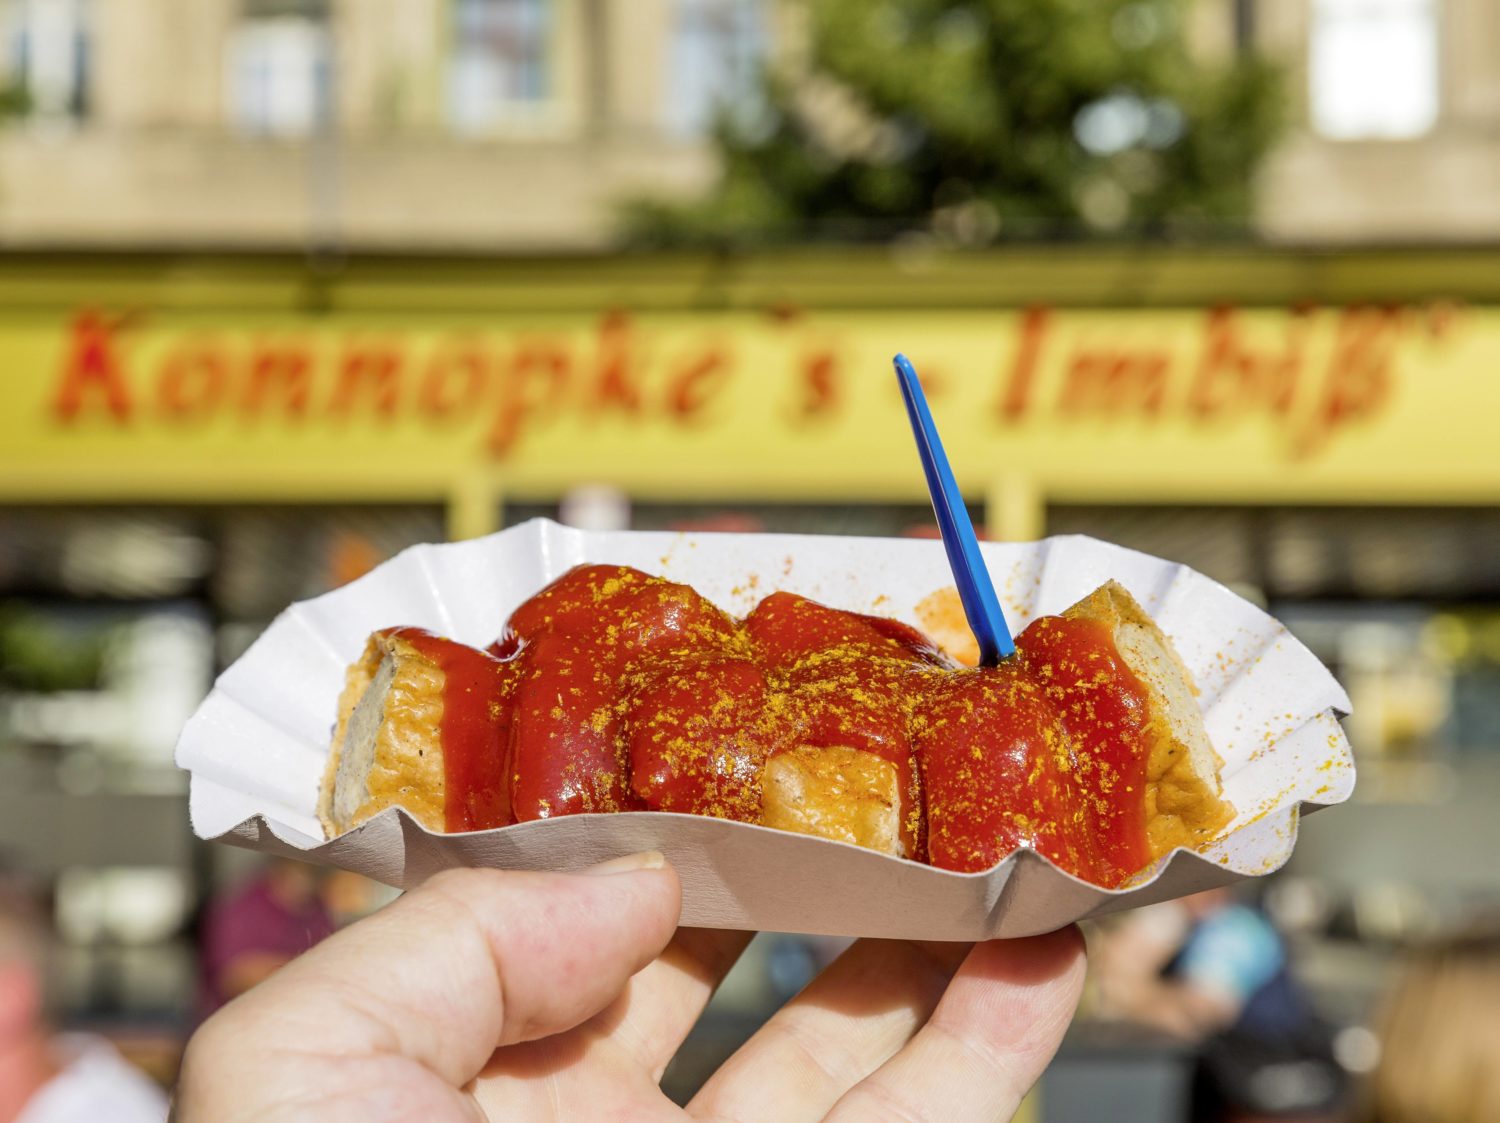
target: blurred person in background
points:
(349, 896)
(1213, 970)
(48, 1077)
(257, 928)
(1439, 1032)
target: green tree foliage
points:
(14, 101)
(39, 652)
(974, 121)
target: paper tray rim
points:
(1293, 811)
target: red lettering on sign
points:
(618, 383)
(1233, 376)
(934, 382)
(1258, 369)
(1358, 383)
(1109, 382)
(279, 373)
(455, 381)
(1016, 395)
(193, 379)
(1441, 316)
(92, 372)
(696, 383)
(820, 385)
(535, 382)
(372, 371)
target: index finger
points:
(994, 1031)
(472, 960)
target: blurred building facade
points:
(520, 124)
(1396, 119)
(212, 417)
(435, 124)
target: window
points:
(278, 72)
(501, 68)
(1373, 68)
(46, 57)
(716, 59)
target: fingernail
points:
(646, 860)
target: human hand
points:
(486, 996)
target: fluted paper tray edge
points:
(256, 745)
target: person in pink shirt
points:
(258, 928)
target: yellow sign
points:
(1356, 404)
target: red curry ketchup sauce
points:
(474, 731)
(843, 679)
(1104, 707)
(699, 735)
(995, 769)
(583, 646)
(1043, 751)
(616, 691)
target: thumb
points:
(472, 960)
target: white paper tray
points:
(257, 746)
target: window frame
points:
(264, 127)
(551, 116)
(751, 19)
(1316, 13)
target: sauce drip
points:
(474, 731)
(1104, 708)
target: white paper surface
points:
(256, 747)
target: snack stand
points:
(189, 443)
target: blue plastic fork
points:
(975, 589)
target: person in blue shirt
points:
(1213, 970)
